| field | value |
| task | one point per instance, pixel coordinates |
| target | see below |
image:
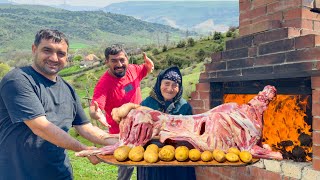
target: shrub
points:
(77, 58)
(217, 36)
(201, 53)
(155, 51)
(181, 44)
(164, 48)
(229, 34)
(191, 42)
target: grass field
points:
(78, 46)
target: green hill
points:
(18, 24)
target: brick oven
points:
(279, 44)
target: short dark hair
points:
(50, 34)
(114, 50)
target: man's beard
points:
(120, 74)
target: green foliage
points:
(181, 44)
(78, 46)
(19, 23)
(191, 42)
(201, 53)
(77, 58)
(229, 34)
(4, 69)
(164, 48)
(217, 36)
(133, 60)
(155, 51)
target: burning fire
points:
(284, 121)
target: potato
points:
(166, 154)
(219, 155)
(181, 153)
(153, 147)
(206, 156)
(194, 154)
(234, 150)
(136, 153)
(245, 156)
(170, 147)
(232, 157)
(121, 153)
(150, 156)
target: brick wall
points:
(315, 81)
(261, 15)
(278, 53)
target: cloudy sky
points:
(99, 3)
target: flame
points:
(283, 120)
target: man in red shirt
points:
(119, 85)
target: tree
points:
(229, 34)
(4, 69)
(181, 44)
(201, 53)
(77, 58)
(164, 48)
(191, 42)
(155, 51)
(217, 36)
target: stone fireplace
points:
(279, 44)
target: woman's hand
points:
(122, 111)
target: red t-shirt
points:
(111, 92)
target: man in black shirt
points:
(37, 108)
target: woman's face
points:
(169, 89)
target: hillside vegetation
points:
(18, 24)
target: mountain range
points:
(19, 23)
(199, 16)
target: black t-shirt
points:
(25, 94)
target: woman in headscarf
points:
(166, 97)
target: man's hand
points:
(98, 115)
(93, 159)
(149, 63)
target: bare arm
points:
(50, 132)
(96, 135)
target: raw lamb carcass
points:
(225, 126)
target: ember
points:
(286, 127)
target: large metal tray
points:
(111, 160)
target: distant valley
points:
(200, 16)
